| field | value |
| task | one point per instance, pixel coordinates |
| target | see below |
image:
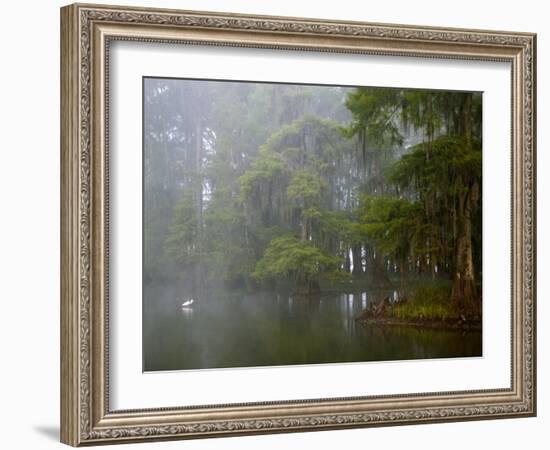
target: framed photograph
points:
(274, 224)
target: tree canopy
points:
(281, 186)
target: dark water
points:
(229, 329)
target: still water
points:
(235, 329)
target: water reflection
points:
(187, 313)
(229, 329)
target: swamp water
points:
(235, 329)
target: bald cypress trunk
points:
(376, 269)
(464, 291)
(357, 260)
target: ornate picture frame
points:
(87, 31)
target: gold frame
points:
(86, 31)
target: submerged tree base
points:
(309, 289)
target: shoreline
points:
(451, 324)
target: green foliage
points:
(340, 226)
(228, 167)
(309, 142)
(426, 110)
(441, 175)
(182, 244)
(229, 258)
(390, 223)
(445, 176)
(375, 126)
(306, 188)
(291, 258)
(375, 115)
(428, 303)
(445, 166)
(269, 167)
(288, 186)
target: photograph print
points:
(288, 224)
